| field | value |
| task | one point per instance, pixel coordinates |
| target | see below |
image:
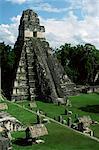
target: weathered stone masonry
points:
(37, 71)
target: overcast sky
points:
(65, 21)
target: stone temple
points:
(37, 73)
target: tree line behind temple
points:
(7, 58)
(80, 62)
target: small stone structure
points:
(9, 122)
(5, 133)
(45, 120)
(84, 124)
(69, 121)
(5, 144)
(36, 131)
(32, 104)
(39, 118)
(68, 103)
(90, 89)
(5, 139)
(37, 73)
(3, 106)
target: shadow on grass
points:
(90, 108)
(22, 142)
(97, 93)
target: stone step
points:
(68, 88)
(32, 84)
(31, 72)
(71, 92)
(31, 77)
(67, 83)
(20, 97)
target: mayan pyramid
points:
(37, 73)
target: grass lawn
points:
(84, 104)
(59, 138)
(22, 115)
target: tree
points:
(7, 61)
(80, 62)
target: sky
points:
(65, 21)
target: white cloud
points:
(91, 7)
(16, 19)
(48, 8)
(39, 5)
(88, 7)
(8, 33)
(71, 30)
(75, 4)
(17, 1)
(68, 29)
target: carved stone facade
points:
(30, 25)
(37, 72)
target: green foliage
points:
(7, 60)
(6, 55)
(80, 62)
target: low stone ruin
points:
(90, 89)
(32, 104)
(68, 102)
(5, 139)
(9, 122)
(5, 144)
(41, 117)
(35, 131)
(83, 125)
(3, 106)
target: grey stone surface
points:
(36, 131)
(3, 106)
(37, 72)
(5, 144)
(84, 123)
(10, 122)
